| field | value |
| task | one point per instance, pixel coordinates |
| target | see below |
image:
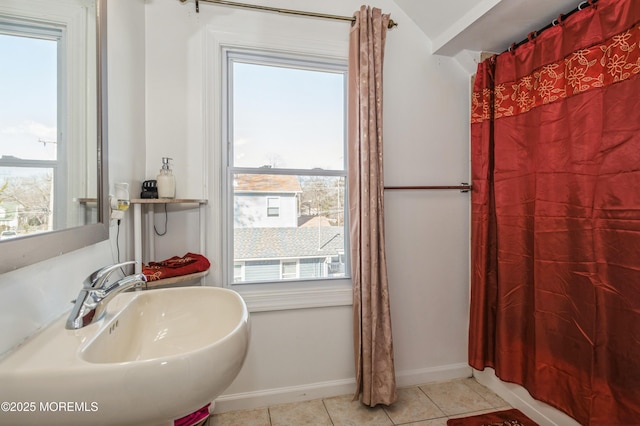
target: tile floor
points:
(424, 405)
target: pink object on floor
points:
(193, 418)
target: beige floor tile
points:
(300, 413)
(259, 417)
(426, 405)
(455, 397)
(345, 412)
(489, 395)
(412, 406)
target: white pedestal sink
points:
(157, 356)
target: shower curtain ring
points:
(583, 5)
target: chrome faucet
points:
(96, 294)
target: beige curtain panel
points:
(373, 344)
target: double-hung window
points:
(285, 171)
(32, 163)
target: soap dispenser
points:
(166, 180)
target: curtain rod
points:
(463, 187)
(553, 23)
(285, 11)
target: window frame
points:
(273, 211)
(289, 262)
(291, 293)
(17, 27)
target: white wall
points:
(33, 297)
(426, 143)
(126, 81)
(306, 353)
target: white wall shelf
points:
(149, 209)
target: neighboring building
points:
(9, 215)
(264, 254)
(263, 201)
(269, 244)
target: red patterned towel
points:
(176, 266)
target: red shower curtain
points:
(555, 291)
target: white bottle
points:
(166, 181)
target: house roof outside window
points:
(266, 183)
(278, 243)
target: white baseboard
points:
(306, 392)
(263, 398)
(519, 398)
(433, 374)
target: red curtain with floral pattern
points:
(555, 291)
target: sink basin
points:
(160, 324)
(157, 356)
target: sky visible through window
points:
(287, 224)
(272, 126)
(28, 97)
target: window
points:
(289, 269)
(286, 150)
(32, 161)
(273, 206)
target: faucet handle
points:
(99, 277)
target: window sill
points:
(264, 300)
